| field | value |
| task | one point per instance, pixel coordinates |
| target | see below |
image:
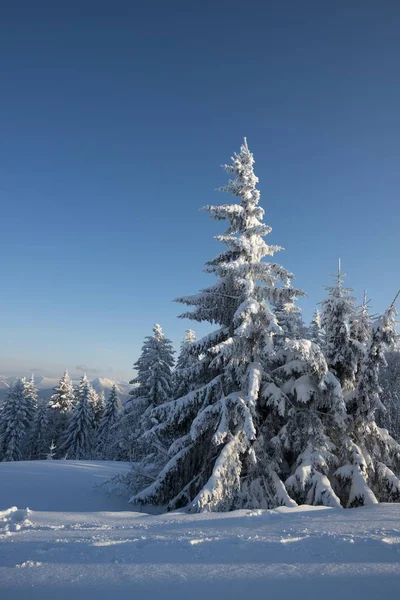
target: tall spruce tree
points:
(217, 460)
(79, 435)
(15, 423)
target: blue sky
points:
(114, 120)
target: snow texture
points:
(81, 545)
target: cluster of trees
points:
(261, 412)
(265, 411)
(76, 423)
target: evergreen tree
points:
(63, 400)
(309, 400)
(185, 364)
(154, 386)
(51, 451)
(60, 406)
(99, 404)
(371, 456)
(31, 396)
(15, 422)
(39, 434)
(289, 318)
(217, 460)
(79, 435)
(154, 369)
(389, 380)
(360, 323)
(315, 332)
(342, 353)
(107, 426)
(360, 331)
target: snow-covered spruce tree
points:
(289, 318)
(79, 435)
(60, 406)
(184, 365)
(99, 403)
(63, 399)
(152, 442)
(95, 402)
(154, 369)
(39, 434)
(342, 353)
(360, 330)
(218, 458)
(107, 427)
(308, 399)
(154, 386)
(389, 380)
(360, 323)
(14, 423)
(31, 396)
(371, 456)
(315, 332)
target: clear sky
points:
(115, 117)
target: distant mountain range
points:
(47, 384)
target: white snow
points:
(60, 485)
(60, 538)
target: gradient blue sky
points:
(115, 117)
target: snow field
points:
(55, 549)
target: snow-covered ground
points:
(76, 542)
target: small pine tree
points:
(389, 380)
(52, 451)
(341, 352)
(315, 332)
(63, 400)
(108, 425)
(185, 364)
(14, 423)
(289, 318)
(99, 405)
(60, 407)
(360, 331)
(371, 456)
(153, 387)
(309, 401)
(96, 401)
(360, 323)
(154, 369)
(80, 430)
(39, 433)
(31, 396)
